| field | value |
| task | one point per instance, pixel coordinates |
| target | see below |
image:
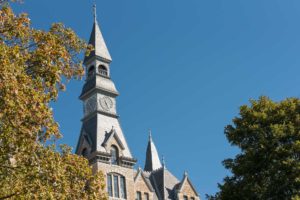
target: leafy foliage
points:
(268, 167)
(33, 63)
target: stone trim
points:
(91, 58)
(183, 182)
(98, 156)
(114, 134)
(92, 114)
(96, 89)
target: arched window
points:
(116, 186)
(103, 70)
(84, 152)
(114, 155)
(91, 71)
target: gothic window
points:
(192, 198)
(91, 70)
(185, 198)
(114, 155)
(138, 196)
(103, 70)
(116, 186)
(146, 196)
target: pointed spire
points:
(152, 159)
(97, 41)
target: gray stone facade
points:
(103, 142)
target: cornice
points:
(95, 57)
(97, 89)
(94, 113)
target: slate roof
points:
(164, 183)
(161, 179)
(88, 131)
(89, 85)
(152, 159)
(97, 40)
(100, 83)
(145, 176)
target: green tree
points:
(34, 64)
(267, 167)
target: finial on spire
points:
(95, 11)
(185, 173)
(163, 162)
(150, 134)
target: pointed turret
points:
(97, 41)
(152, 159)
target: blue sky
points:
(183, 68)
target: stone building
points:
(103, 142)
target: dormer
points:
(186, 190)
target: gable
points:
(112, 138)
(188, 188)
(142, 183)
(84, 142)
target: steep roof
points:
(97, 41)
(145, 177)
(110, 135)
(164, 183)
(152, 159)
(184, 181)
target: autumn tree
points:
(268, 165)
(34, 64)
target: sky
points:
(183, 69)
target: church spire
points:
(97, 41)
(152, 159)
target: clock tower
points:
(101, 139)
(103, 142)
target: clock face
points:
(106, 103)
(90, 105)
